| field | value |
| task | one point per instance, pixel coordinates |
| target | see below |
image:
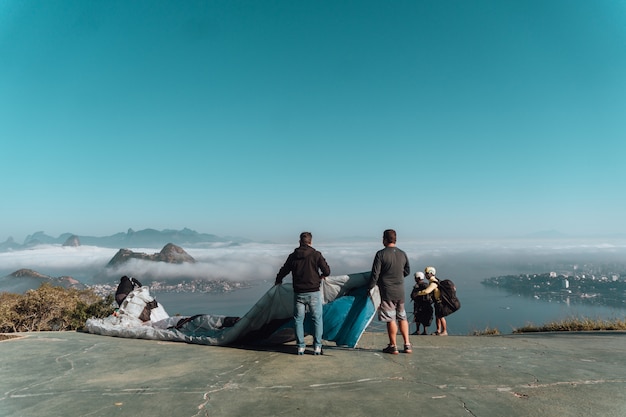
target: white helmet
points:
(419, 275)
(430, 270)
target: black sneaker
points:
(391, 349)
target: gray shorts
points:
(391, 311)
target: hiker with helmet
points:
(440, 320)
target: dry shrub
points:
(488, 331)
(8, 316)
(51, 308)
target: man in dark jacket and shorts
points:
(390, 267)
(308, 267)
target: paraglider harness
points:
(448, 301)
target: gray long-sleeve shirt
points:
(390, 267)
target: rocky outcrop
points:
(170, 254)
(175, 255)
(29, 273)
(35, 279)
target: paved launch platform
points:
(544, 374)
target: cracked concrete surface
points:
(554, 374)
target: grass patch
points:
(568, 325)
(488, 331)
(575, 325)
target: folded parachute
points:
(349, 307)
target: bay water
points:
(482, 308)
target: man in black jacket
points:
(308, 267)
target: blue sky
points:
(263, 119)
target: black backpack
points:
(449, 301)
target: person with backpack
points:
(124, 288)
(422, 304)
(445, 304)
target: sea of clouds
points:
(261, 261)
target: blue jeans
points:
(314, 301)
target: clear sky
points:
(265, 118)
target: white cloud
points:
(56, 258)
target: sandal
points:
(408, 348)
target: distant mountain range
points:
(152, 238)
(147, 238)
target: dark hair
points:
(389, 235)
(306, 238)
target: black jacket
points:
(305, 264)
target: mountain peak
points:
(72, 241)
